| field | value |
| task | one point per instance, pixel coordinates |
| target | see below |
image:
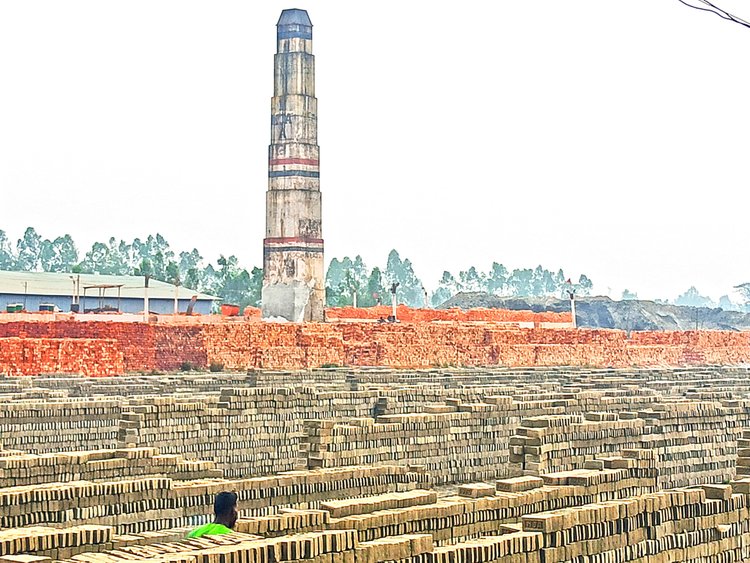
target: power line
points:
(723, 14)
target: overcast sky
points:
(605, 138)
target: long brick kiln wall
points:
(421, 345)
(407, 314)
(253, 345)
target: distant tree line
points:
(693, 298)
(350, 279)
(151, 256)
(347, 279)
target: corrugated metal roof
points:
(294, 16)
(48, 283)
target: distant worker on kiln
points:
(225, 517)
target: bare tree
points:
(706, 6)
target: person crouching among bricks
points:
(225, 517)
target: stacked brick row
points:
(457, 518)
(21, 469)
(547, 444)
(153, 502)
(175, 346)
(408, 314)
(116, 347)
(419, 527)
(743, 455)
(84, 356)
(41, 426)
(709, 525)
(251, 431)
(456, 442)
(53, 543)
(696, 442)
(422, 345)
(134, 340)
(259, 430)
(692, 442)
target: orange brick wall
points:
(84, 356)
(419, 345)
(104, 348)
(406, 314)
(142, 347)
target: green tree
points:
(59, 255)
(726, 304)
(628, 295)
(211, 282)
(584, 285)
(95, 260)
(399, 271)
(447, 288)
(145, 268)
(28, 251)
(497, 280)
(156, 250)
(7, 258)
(118, 261)
(472, 280)
(560, 283)
(543, 282)
(693, 298)
(357, 279)
(347, 278)
(191, 273)
(336, 283)
(550, 283)
(520, 282)
(113, 259)
(256, 287)
(376, 293)
(234, 284)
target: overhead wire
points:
(723, 14)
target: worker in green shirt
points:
(225, 511)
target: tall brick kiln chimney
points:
(293, 277)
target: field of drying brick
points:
(448, 437)
(371, 465)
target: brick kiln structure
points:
(293, 273)
(108, 348)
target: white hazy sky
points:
(605, 138)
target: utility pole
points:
(145, 299)
(176, 290)
(394, 286)
(572, 293)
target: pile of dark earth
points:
(603, 312)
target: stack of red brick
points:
(84, 356)
(417, 345)
(407, 314)
(105, 348)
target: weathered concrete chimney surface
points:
(293, 276)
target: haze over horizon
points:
(604, 139)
